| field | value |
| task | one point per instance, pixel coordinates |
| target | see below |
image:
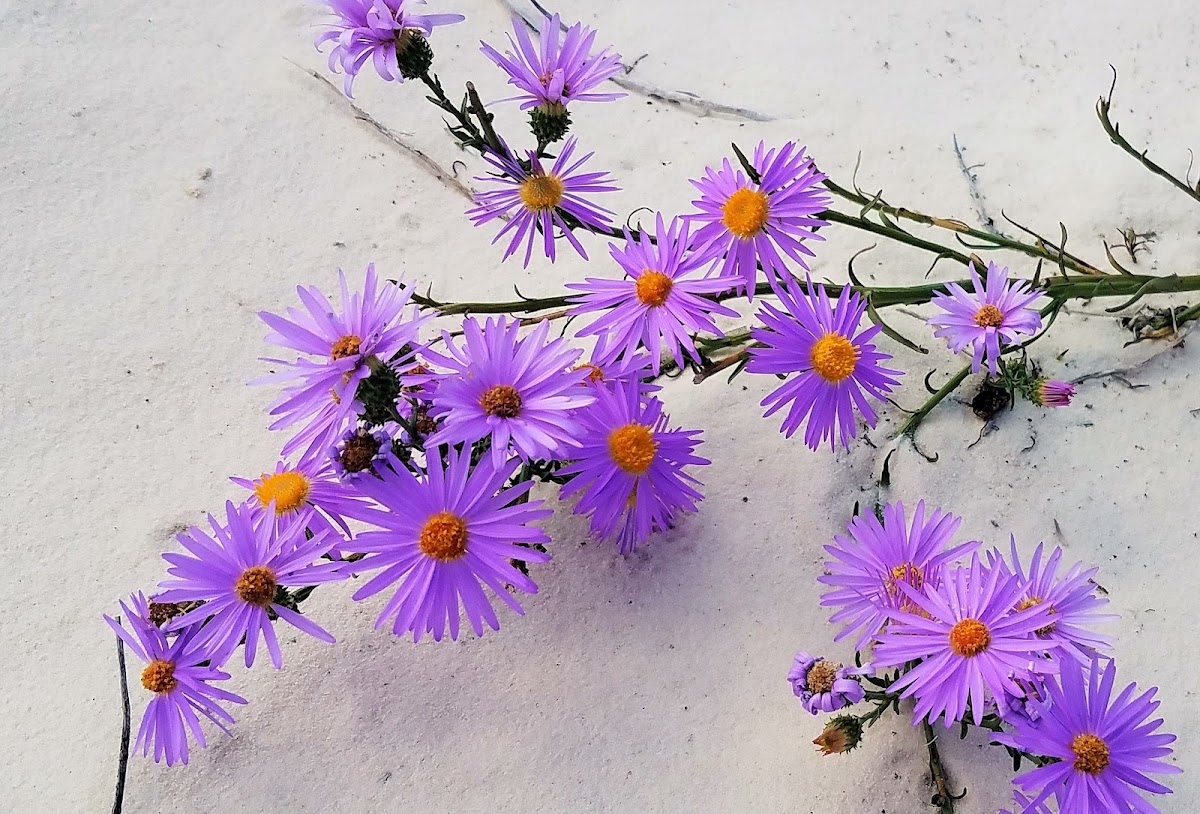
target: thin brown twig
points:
(123, 759)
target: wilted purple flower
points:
(541, 200)
(655, 304)
(181, 686)
(1071, 600)
(630, 467)
(446, 536)
(383, 31)
(990, 315)
(746, 224)
(1054, 393)
(552, 75)
(370, 331)
(237, 569)
(868, 566)
(823, 685)
(362, 451)
(969, 641)
(836, 369)
(518, 391)
(1105, 747)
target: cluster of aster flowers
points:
(985, 639)
(431, 454)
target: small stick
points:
(123, 762)
(944, 799)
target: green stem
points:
(914, 420)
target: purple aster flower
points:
(990, 314)
(446, 536)
(868, 566)
(969, 641)
(384, 31)
(179, 674)
(371, 330)
(1105, 747)
(823, 685)
(630, 467)
(633, 369)
(1071, 600)
(836, 368)
(656, 304)
(363, 451)
(237, 570)
(517, 391)
(551, 74)
(293, 488)
(541, 200)
(1054, 393)
(746, 224)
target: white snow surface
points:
(170, 169)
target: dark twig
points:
(943, 798)
(123, 760)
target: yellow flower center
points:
(745, 212)
(159, 676)
(443, 537)
(989, 316)
(289, 490)
(345, 347)
(257, 586)
(914, 577)
(632, 448)
(1033, 602)
(1091, 754)
(821, 676)
(834, 357)
(595, 374)
(653, 288)
(969, 637)
(503, 401)
(541, 193)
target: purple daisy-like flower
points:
(1054, 393)
(836, 368)
(1105, 747)
(370, 330)
(180, 675)
(383, 31)
(746, 224)
(445, 537)
(823, 685)
(1071, 600)
(657, 304)
(552, 73)
(969, 640)
(1025, 806)
(630, 467)
(237, 569)
(541, 200)
(868, 566)
(992, 315)
(292, 488)
(517, 391)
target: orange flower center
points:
(745, 212)
(256, 586)
(347, 346)
(159, 676)
(595, 374)
(443, 537)
(289, 490)
(834, 357)
(541, 193)
(502, 401)
(989, 316)
(969, 637)
(653, 288)
(821, 676)
(1091, 754)
(632, 448)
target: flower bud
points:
(840, 735)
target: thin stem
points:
(899, 235)
(944, 798)
(123, 759)
(1103, 106)
(914, 420)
